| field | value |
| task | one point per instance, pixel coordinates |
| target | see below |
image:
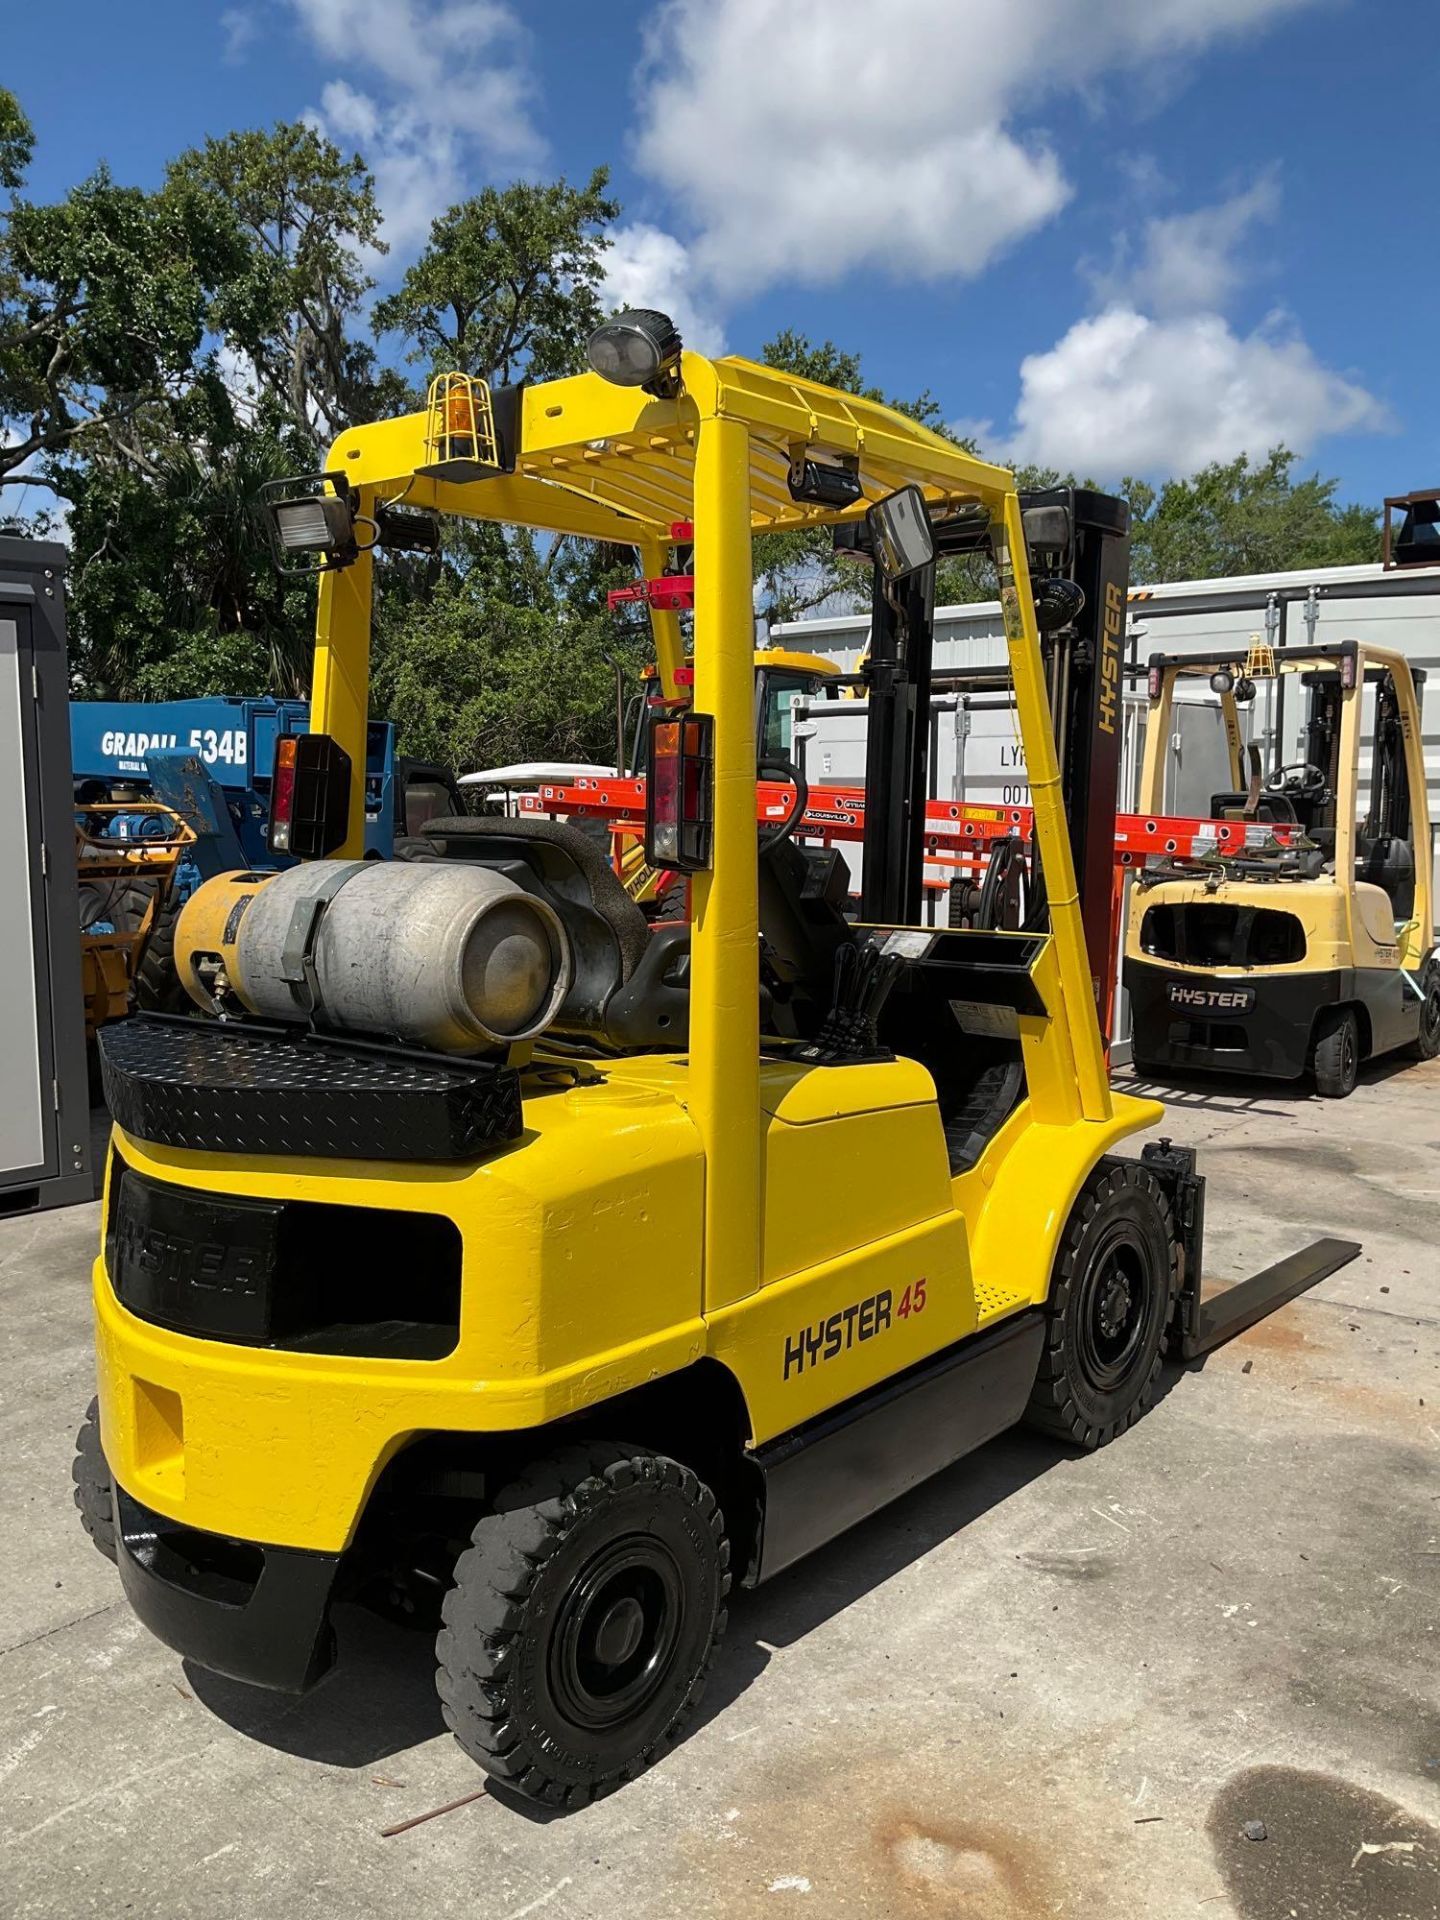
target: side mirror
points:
(900, 533)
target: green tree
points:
(172, 589)
(1239, 516)
(472, 679)
(509, 282)
(307, 217)
(104, 303)
(17, 140)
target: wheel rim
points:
(616, 1633)
(1430, 1018)
(1113, 1311)
(1349, 1065)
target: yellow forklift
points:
(1310, 947)
(479, 1247)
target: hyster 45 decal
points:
(861, 1320)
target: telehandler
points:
(1304, 954)
(481, 1242)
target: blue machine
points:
(211, 762)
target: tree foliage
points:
(1240, 516)
(17, 140)
(163, 354)
(307, 218)
(104, 304)
(473, 679)
(509, 282)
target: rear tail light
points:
(282, 794)
(1154, 683)
(679, 793)
(309, 796)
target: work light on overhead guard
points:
(320, 523)
(639, 348)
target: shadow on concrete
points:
(1221, 1092)
(380, 1700)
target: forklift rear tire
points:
(1426, 1044)
(1116, 1277)
(94, 1489)
(1336, 1060)
(583, 1621)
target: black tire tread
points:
(1328, 1056)
(483, 1610)
(93, 1490)
(1420, 1048)
(157, 978)
(1052, 1408)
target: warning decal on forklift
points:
(862, 1320)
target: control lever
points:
(864, 978)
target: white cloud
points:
(1125, 393)
(806, 139)
(1190, 262)
(239, 29)
(645, 267)
(348, 114)
(448, 93)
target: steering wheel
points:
(1300, 777)
(774, 833)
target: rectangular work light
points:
(311, 521)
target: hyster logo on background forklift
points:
(469, 1247)
(1312, 948)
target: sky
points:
(1120, 237)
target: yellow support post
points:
(1051, 833)
(725, 973)
(1157, 736)
(340, 695)
(664, 625)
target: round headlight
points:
(636, 349)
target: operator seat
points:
(1385, 860)
(1278, 808)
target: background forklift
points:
(1312, 948)
(457, 1252)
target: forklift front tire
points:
(94, 1489)
(1116, 1277)
(1336, 1060)
(583, 1621)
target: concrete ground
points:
(1039, 1685)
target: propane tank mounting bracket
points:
(297, 956)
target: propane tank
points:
(444, 954)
